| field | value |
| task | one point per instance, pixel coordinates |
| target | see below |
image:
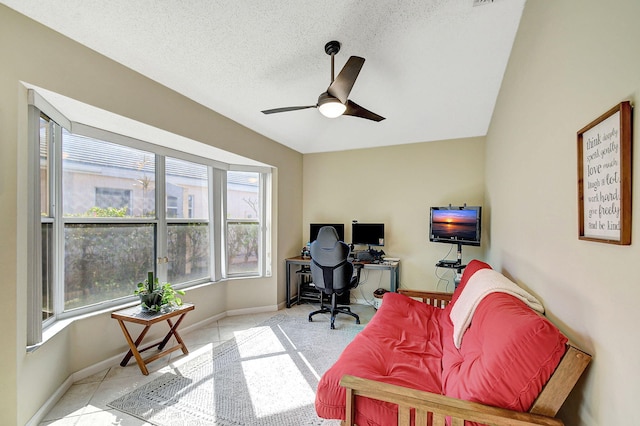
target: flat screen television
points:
(367, 234)
(456, 225)
(314, 228)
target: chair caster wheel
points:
(310, 319)
(333, 327)
(357, 321)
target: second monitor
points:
(314, 228)
(367, 234)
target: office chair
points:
(332, 272)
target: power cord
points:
(448, 253)
(370, 303)
(364, 281)
(366, 276)
(443, 277)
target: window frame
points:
(63, 222)
(216, 204)
(261, 229)
(213, 271)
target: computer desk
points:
(392, 267)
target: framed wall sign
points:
(604, 177)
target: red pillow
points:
(473, 266)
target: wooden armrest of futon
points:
(439, 405)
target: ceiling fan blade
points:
(357, 111)
(342, 85)
(286, 109)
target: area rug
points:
(266, 375)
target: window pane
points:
(119, 199)
(47, 271)
(102, 179)
(45, 169)
(243, 195)
(188, 249)
(243, 226)
(187, 189)
(242, 247)
(104, 262)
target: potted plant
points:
(156, 297)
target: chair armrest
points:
(433, 298)
(439, 405)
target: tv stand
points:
(449, 264)
(453, 264)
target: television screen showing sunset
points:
(453, 224)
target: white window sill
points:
(55, 328)
(59, 325)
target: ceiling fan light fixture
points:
(335, 101)
(330, 107)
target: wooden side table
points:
(137, 316)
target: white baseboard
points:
(50, 403)
(248, 311)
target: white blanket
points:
(481, 284)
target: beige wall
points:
(39, 56)
(572, 61)
(396, 186)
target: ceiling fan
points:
(334, 102)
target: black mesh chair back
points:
(332, 272)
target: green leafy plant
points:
(156, 297)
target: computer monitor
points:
(456, 225)
(314, 228)
(367, 234)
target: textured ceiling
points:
(433, 67)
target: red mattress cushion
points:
(507, 354)
(401, 345)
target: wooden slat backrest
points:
(433, 298)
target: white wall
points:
(572, 61)
(397, 185)
(32, 53)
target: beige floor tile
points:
(66, 421)
(110, 417)
(73, 402)
(202, 335)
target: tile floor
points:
(85, 403)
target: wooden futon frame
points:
(439, 407)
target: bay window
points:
(113, 208)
